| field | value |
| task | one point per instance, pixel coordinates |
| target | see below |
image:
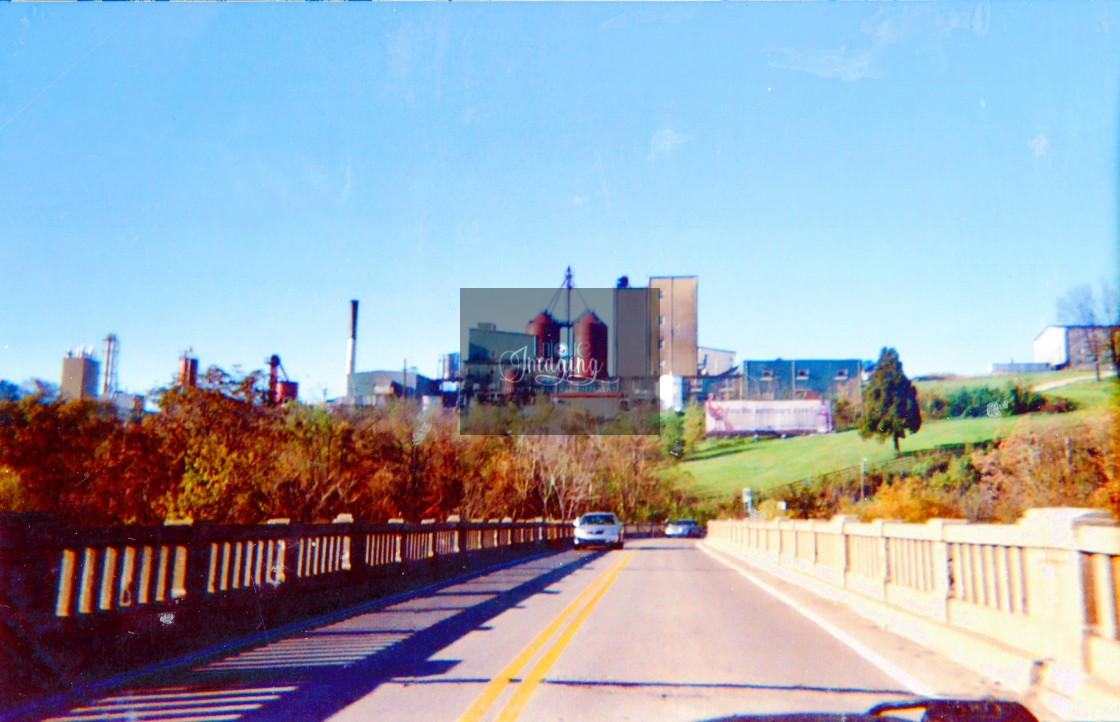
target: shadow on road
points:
(300, 676)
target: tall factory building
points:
(677, 324)
(636, 311)
(79, 376)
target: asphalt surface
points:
(661, 630)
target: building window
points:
(767, 376)
(842, 375)
(803, 375)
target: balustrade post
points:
(1062, 570)
(353, 547)
(197, 577)
(943, 572)
(30, 556)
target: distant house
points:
(780, 379)
(1073, 347)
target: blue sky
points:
(841, 177)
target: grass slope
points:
(724, 467)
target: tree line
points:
(218, 452)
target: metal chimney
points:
(352, 344)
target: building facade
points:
(676, 324)
(636, 354)
(781, 380)
(79, 377)
(1075, 347)
(714, 361)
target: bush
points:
(977, 401)
(846, 415)
(1039, 468)
(934, 406)
(771, 509)
(910, 500)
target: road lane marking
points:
(498, 684)
(876, 660)
(529, 685)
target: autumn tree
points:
(49, 453)
(890, 402)
(221, 440)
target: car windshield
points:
(598, 520)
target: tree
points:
(694, 427)
(9, 391)
(890, 401)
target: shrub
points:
(910, 500)
(1038, 468)
(934, 405)
(771, 509)
(846, 414)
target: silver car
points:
(600, 528)
(683, 528)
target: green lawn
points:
(723, 467)
(948, 386)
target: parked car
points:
(683, 528)
(598, 528)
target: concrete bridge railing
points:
(1046, 587)
(51, 572)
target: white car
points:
(600, 528)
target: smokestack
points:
(350, 346)
(109, 382)
(188, 370)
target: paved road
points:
(661, 630)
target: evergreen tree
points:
(890, 401)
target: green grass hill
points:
(722, 467)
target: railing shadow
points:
(296, 676)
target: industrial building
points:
(376, 388)
(714, 361)
(491, 355)
(802, 379)
(677, 324)
(593, 351)
(79, 376)
(636, 352)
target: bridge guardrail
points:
(1048, 586)
(47, 569)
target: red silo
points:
(590, 352)
(546, 330)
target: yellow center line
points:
(529, 685)
(497, 685)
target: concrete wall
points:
(1044, 589)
